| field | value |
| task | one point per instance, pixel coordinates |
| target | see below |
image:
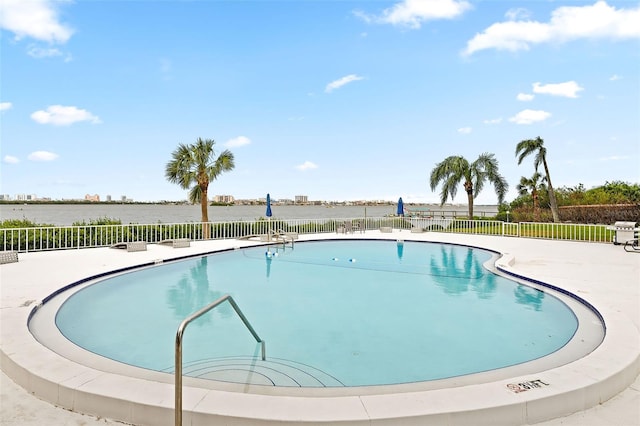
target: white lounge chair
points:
(131, 246)
(176, 242)
(8, 257)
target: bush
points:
(20, 223)
(99, 221)
(597, 214)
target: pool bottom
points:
(248, 375)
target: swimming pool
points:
(339, 313)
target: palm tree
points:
(534, 184)
(530, 146)
(455, 169)
(195, 164)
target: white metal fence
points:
(87, 236)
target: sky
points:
(336, 100)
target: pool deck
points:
(601, 388)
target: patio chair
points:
(632, 246)
(348, 227)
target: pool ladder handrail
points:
(178, 349)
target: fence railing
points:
(89, 236)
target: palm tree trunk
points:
(470, 198)
(204, 209)
(552, 196)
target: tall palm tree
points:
(456, 169)
(196, 164)
(528, 147)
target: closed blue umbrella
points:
(400, 211)
(269, 214)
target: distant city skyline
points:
(220, 198)
(338, 100)
(298, 199)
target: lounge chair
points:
(176, 242)
(287, 234)
(131, 246)
(632, 246)
(8, 257)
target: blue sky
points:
(337, 100)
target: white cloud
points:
(42, 156)
(336, 84)
(615, 158)
(529, 116)
(464, 130)
(493, 121)
(37, 19)
(412, 13)
(60, 115)
(597, 21)
(5, 106)
(567, 89)
(525, 97)
(307, 165)
(517, 13)
(40, 52)
(236, 142)
(51, 52)
(10, 159)
(615, 77)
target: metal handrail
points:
(180, 334)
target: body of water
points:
(67, 214)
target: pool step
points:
(272, 372)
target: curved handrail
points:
(178, 350)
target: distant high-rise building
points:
(223, 199)
(93, 198)
(108, 198)
(301, 199)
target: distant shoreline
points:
(185, 203)
(69, 213)
(83, 203)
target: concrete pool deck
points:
(601, 388)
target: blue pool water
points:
(346, 313)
